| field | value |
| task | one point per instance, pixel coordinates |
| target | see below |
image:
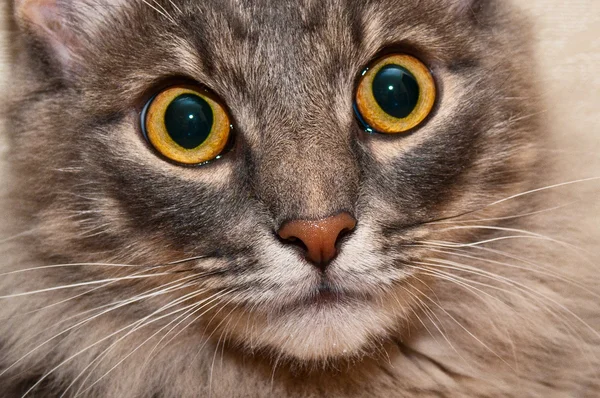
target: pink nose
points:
(319, 236)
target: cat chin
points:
(318, 333)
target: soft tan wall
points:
(3, 24)
(568, 34)
(568, 53)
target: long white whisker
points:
(523, 215)
(532, 293)
(447, 244)
(464, 282)
(157, 291)
(467, 285)
(427, 310)
(46, 267)
(69, 299)
(202, 303)
(540, 271)
(543, 189)
(191, 323)
(112, 308)
(157, 10)
(511, 282)
(16, 236)
(145, 319)
(575, 249)
(464, 328)
(175, 6)
(95, 362)
(81, 284)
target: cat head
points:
(304, 224)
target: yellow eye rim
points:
(377, 118)
(157, 134)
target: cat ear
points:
(48, 22)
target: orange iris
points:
(187, 125)
(396, 94)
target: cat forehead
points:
(242, 46)
(279, 20)
(315, 30)
(266, 28)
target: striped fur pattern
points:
(124, 275)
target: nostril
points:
(343, 237)
(293, 241)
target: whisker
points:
(416, 314)
(81, 284)
(192, 322)
(17, 236)
(427, 310)
(464, 328)
(145, 319)
(576, 249)
(163, 289)
(158, 11)
(562, 184)
(512, 256)
(227, 330)
(46, 267)
(187, 260)
(467, 285)
(67, 299)
(464, 282)
(202, 303)
(117, 306)
(503, 279)
(523, 215)
(175, 6)
(212, 367)
(519, 195)
(447, 244)
(218, 325)
(94, 364)
(541, 271)
(520, 288)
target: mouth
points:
(327, 295)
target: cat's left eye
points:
(396, 94)
(186, 125)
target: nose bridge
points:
(308, 173)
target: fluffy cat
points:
(448, 269)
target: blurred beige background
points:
(568, 55)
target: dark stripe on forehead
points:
(197, 29)
(355, 16)
(313, 17)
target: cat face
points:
(287, 74)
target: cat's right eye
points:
(186, 125)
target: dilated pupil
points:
(396, 91)
(189, 120)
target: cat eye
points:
(396, 94)
(186, 125)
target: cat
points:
(312, 237)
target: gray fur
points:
(87, 188)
